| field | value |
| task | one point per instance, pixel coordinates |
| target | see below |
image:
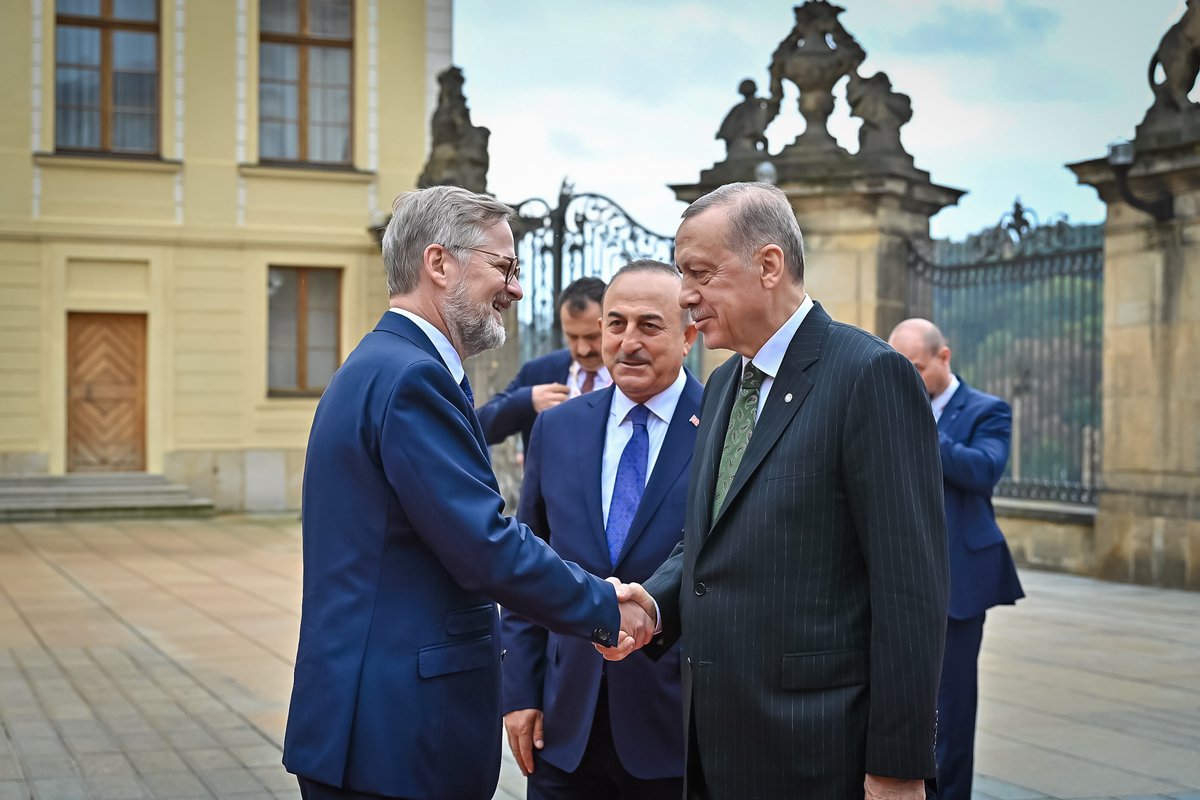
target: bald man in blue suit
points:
(579, 726)
(974, 429)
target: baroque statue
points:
(882, 110)
(744, 127)
(1179, 55)
(815, 56)
(458, 154)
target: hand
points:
(638, 620)
(548, 395)
(524, 729)
(877, 787)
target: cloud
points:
(1016, 24)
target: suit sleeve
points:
(664, 587)
(976, 465)
(442, 477)
(894, 488)
(508, 412)
(524, 667)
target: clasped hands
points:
(639, 620)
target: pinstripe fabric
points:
(813, 606)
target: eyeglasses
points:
(509, 265)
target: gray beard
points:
(472, 325)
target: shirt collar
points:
(577, 370)
(769, 357)
(662, 405)
(444, 348)
(940, 402)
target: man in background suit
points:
(546, 381)
(605, 483)
(974, 430)
(397, 682)
(810, 587)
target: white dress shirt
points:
(576, 375)
(940, 402)
(620, 431)
(769, 357)
(444, 348)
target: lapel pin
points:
(787, 398)
(695, 421)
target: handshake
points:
(639, 620)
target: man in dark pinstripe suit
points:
(810, 586)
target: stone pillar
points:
(1148, 519)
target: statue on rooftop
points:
(458, 154)
(745, 124)
(883, 112)
(1179, 55)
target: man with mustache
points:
(397, 681)
(546, 381)
(606, 483)
(810, 586)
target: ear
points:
(944, 356)
(770, 260)
(436, 262)
(689, 337)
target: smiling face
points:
(581, 330)
(719, 288)
(644, 339)
(475, 303)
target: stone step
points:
(96, 495)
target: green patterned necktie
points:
(737, 437)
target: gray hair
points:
(760, 215)
(649, 265)
(445, 215)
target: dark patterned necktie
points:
(630, 483)
(737, 436)
(589, 381)
(465, 385)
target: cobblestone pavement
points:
(153, 659)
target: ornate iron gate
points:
(583, 234)
(1021, 305)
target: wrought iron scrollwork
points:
(1021, 303)
(582, 234)
(1019, 233)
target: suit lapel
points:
(401, 325)
(957, 401)
(590, 456)
(723, 384)
(788, 392)
(673, 459)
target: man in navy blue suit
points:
(606, 479)
(548, 380)
(397, 682)
(974, 430)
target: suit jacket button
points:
(700, 588)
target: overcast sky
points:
(625, 96)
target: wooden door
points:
(106, 392)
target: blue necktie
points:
(630, 483)
(466, 387)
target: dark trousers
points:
(311, 790)
(958, 697)
(600, 775)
